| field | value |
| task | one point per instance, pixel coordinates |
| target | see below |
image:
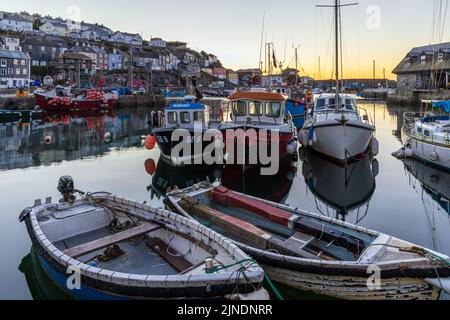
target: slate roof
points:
(416, 66)
(17, 18)
(14, 54)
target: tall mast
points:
(336, 25)
(296, 67)
(337, 6)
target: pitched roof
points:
(417, 66)
(37, 41)
(76, 56)
(58, 23)
(17, 18)
(432, 48)
(14, 54)
(265, 96)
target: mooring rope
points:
(266, 277)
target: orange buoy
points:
(150, 166)
(150, 142)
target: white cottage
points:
(16, 23)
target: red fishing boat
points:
(257, 118)
(94, 100)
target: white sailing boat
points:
(336, 127)
(426, 135)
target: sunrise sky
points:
(384, 30)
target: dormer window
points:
(408, 62)
(423, 59)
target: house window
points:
(22, 62)
(18, 71)
(3, 72)
(440, 57)
(24, 71)
(16, 62)
(10, 71)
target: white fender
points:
(434, 156)
(292, 147)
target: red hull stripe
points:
(225, 196)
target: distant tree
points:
(39, 71)
(36, 24)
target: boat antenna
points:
(337, 6)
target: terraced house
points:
(14, 69)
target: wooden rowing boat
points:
(315, 253)
(101, 246)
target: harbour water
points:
(408, 200)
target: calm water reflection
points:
(406, 199)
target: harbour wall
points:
(413, 98)
(12, 102)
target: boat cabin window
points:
(255, 108)
(185, 117)
(349, 104)
(419, 130)
(239, 108)
(273, 109)
(172, 117)
(320, 104)
(198, 116)
(427, 133)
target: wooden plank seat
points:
(243, 229)
(300, 240)
(177, 261)
(105, 242)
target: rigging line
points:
(439, 20)
(445, 12)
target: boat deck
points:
(138, 259)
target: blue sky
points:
(232, 29)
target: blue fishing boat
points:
(297, 110)
(191, 119)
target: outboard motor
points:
(66, 187)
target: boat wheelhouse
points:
(427, 134)
(342, 132)
(189, 120)
(263, 112)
